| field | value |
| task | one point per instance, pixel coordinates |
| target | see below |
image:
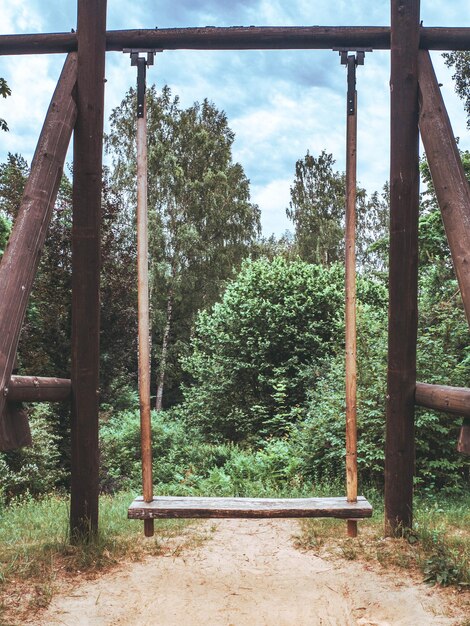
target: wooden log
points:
(36, 389)
(239, 38)
(21, 258)
(178, 507)
(350, 309)
(144, 306)
(450, 183)
(87, 184)
(454, 400)
(403, 272)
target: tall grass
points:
(438, 546)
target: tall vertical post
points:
(143, 285)
(403, 272)
(350, 280)
(87, 184)
(351, 61)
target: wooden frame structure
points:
(78, 104)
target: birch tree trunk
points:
(165, 342)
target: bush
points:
(256, 353)
(33, 470)
(321, 439)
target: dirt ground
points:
(248, 573)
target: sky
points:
(280, 104)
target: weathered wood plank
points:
(403, 272)
(240, 38)
(87, 183)
(21, 258)
(450, 183)
(38, 389)
(454, 400)
(175, 507)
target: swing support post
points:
(351, 61)
(143, 284)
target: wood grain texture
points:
(403, 269)
(21, 258)
(175, 507)
(350, 306)
(38, 389)
(454, 400)
(87, 187)
(239, 38)
(451, 186)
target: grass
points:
(438, 547)
(35, 553)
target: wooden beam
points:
(403, 272)
(38, 389)
(87, 183)
(239, 38)
(451, 186)
(177, 507)
(350, 304)
(454, 400)
(21, 258)
(143, 304)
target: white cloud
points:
(279, 103)
(273, 199)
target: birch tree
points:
(202, 222)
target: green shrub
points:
(32, 470)
(257, 352)
(321, 439)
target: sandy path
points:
(248, 573)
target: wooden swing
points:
(149, 507)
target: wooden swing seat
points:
(167, 507)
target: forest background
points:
(247, 331)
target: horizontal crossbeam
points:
(179, 507)
(38, 389)
(454, 400)
(239, 38)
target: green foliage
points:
(275, 318)
(443, 357)
(320, 439)
(460, 61)
(201, 220)
(258, 351)
(32, 470)
(5, 91)
(5, 228)
(185, 464)
(317, 209)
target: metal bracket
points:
(351, 61)
(142, 63)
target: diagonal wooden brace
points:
(21, 258)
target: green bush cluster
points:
(184, 463)
(257, 352)
(34, 470)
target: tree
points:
(255, 355)
(317, 208)
(44, 347)
(202, 223)
(460, 61)
(5, 91)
